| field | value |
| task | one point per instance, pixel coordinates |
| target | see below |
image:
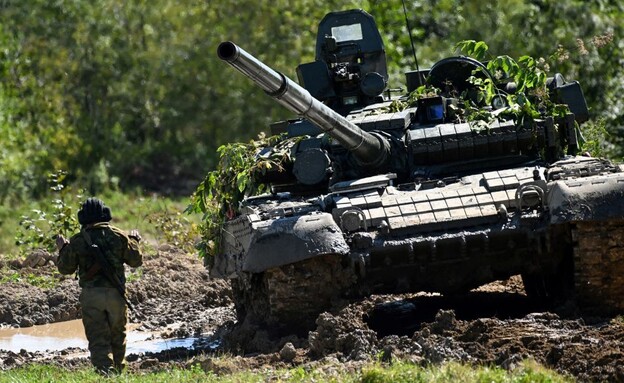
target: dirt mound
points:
(571, 346)
(170, 286)
(172, 294)
(491, 326)
(175, 287)
(24, 305)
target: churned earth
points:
(175, 298)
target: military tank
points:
(378, 200)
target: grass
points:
(146, 213)
(43, 281)
(9, 223)
(159, 219)
(397, 372)
(528, 371)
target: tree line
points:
(131, 94)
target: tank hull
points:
(374, 238)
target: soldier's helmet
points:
(93, 210)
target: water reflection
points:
(70, 334)
(53, 337)
(157, 345)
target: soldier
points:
(102, 278)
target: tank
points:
(383, 200)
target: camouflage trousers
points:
(104, 317)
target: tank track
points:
(599, 266)
(289, 298)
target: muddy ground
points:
(174, 296)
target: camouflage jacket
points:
(116, 246)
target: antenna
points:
(409, 31)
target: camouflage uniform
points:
(104, 314)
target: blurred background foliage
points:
(130, 95)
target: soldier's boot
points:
(119, 360)
(101, 357)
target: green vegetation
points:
(454, 372)
(34, 225)
(128, 94)
(38, 230)
(28, 227)
(595, 138)
(530, 101)
(371, 373)
(128, 98)
(236, 176)
(43, 281)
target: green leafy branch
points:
(477, 49)
(594, 139)
(39, 229)
(531, 98)
(238, 175)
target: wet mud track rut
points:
(174, 297)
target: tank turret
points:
(368, 149)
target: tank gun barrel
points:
(367, 148)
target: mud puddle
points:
(53, 337)
(405, 316)
(70, 334)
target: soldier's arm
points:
(133, 256)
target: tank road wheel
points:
(554, 281)
(599, 266)
(292, 296)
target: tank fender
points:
(287, 240)
(595, 198)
